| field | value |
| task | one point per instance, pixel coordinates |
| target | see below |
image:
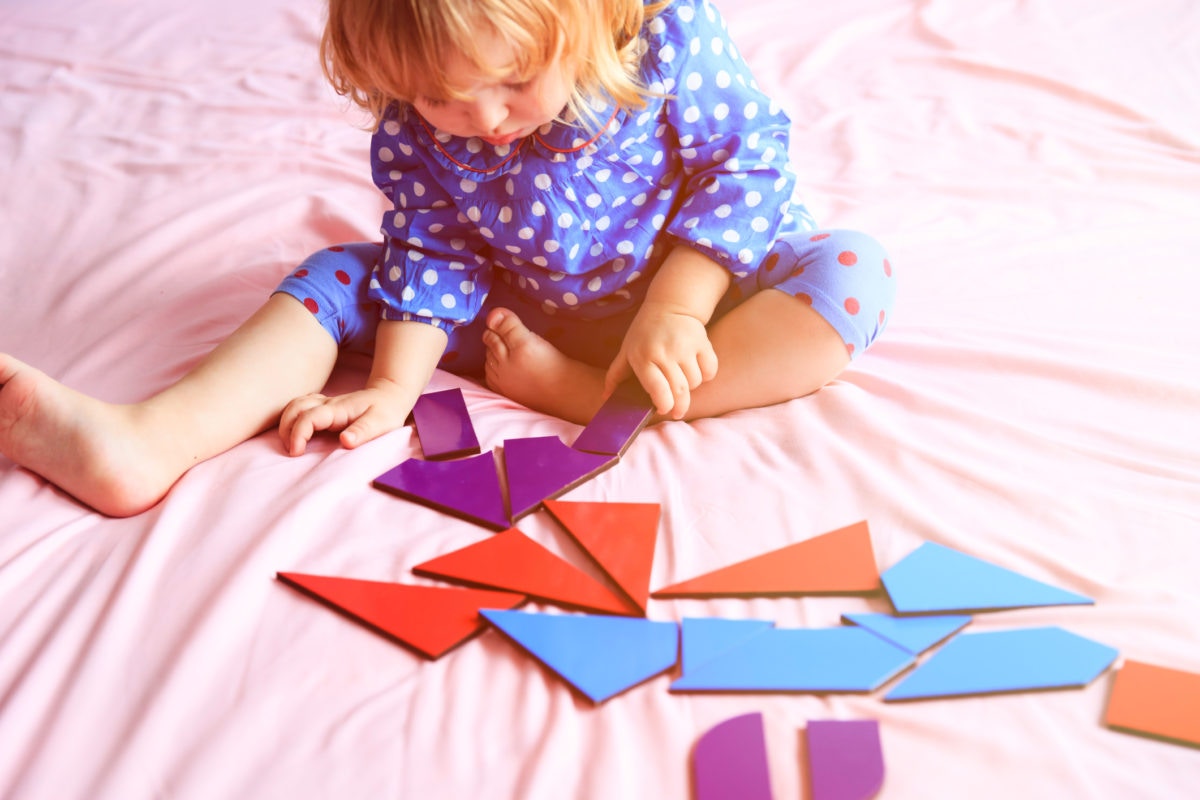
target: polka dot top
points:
(578, 220)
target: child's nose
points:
(489, 114)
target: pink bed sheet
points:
(1034, 167)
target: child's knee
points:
(332, 283)
(845, 275)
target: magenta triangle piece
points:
(542, 468)
(618, 422)
(468, 488)
(730, 761)
(514, 562)
(845, 759)
(444, 426)
(429, 619)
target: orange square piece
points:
(1156, 701)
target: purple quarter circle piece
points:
(845, 759)
(730, 760)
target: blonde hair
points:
(379, 52)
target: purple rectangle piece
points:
(443, 425)
(618, 421)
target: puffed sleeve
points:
(733, 139)
(434, 267)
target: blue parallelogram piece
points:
(1021, 659)
(601, 656)
(842, 659)
(938, 579)
(914, 634)
(704, 638)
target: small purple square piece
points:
(444, 426)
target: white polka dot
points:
(399, 220)
(418, 188)
(691, 115)
(551, 246)
(430, 277)
(395, 175)
(506, 214)
(424, 312)
(486, 232)
(624, 247)
(394, 274)
(746, 256)
(751, 110)
(458, 244)
(408, 294)
(694, 81)
(723, 210)
(731, 236)
(595, 284)
(448, 301)
(718, 46)
(468, 185)
(474, 214)
(543, 182)
(720, 111)
(753, 199)
(474, 145)
(457, 266)
(467, 287)
(405, 148)
(386, 154)
(594, 200)
(570, 299)
(723, 79)
(538, 208)
(391, 127)
(525, 233)
(666, 54)
(760, 224)
(565, 220)
(603, 175)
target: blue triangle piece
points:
(914, 634)
(705, 638)
(600, 656)
(1007, 661)
(934, 578)
(841, 659)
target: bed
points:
(1034, 169)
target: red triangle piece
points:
(841, 561)
(430, 619)
(512, 561)
(620, 538)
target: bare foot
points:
(90, 449)
(525, 367)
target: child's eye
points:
(519, 86)
(433, 102)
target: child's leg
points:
(819, 300)
(121, 459)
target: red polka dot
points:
(337, 248)
(311, 305)
(880, 317)
(887, 268)
(798, 271)
(342, 277)
(852, 305)
(450, 356)
(301, 273)
(847, 258)
(850, 349)
(771, 262)
(804, 298)
(366, 306)
(819, 237)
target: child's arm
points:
(667, 344)
(406, 354)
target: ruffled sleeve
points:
(733, 139)
(434, 267)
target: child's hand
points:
(669, 352)
(361, 416)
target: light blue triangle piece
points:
(1007, 661)
(842, 659)
(705, 638)
(598, 655)
(914, 634)
(934, 578)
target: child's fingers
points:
(618, 372)
(372, 424)
(291, 415)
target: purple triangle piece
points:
(468, 488)
(845, 759)
(618, 421)
(542, 468)
(730, 760)
(444, 426)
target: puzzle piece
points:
(1006, 661)
(705, 638)
(444, 426)
(840, 561)
(619, 537)
(430, 619)
(514, 562)
(618, 422)
(840, 659)
(934, 578)
(730, 761)
(914, 634)
(845, 759)
(542, 468)
(1156, 701)
(599, 656)
(467, 488)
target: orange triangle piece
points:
(1156, 701)
(620, 538)
(841, 561)
(430, 619)
(514, 562)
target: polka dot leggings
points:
(844, 275)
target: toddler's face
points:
(499, 111)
